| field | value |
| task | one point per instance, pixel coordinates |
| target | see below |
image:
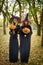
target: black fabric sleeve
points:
(10, 32)
(18, 29)
(30, 30)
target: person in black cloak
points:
(13, 42)
(25, 40)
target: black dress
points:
(25, 41)
(13, 46)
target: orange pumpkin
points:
(26, 30)
(12, 26)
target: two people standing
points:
(25, 33)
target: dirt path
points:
(36, 52)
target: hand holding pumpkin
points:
(26, 30)
(12, 27)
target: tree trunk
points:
(19, 7)
(38, 29)
(42, 26)
(42, 37)
(4, 27)
(7, 23)
(7, 20)
(20, 12)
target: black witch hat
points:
(18, 18)
(26, 19)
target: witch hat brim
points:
(18, 18)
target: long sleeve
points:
(18, 29)
(29, 27)
(10, 32)
(31, 30)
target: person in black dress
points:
(25, 40)
(13, 42)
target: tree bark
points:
(13, 7)
(42, 26)
(20, 12)
(4, 27)
(7, 20)
(19, 6)
(42, 37)
(38, 29)
(1, 6)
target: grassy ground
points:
(36, 52)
